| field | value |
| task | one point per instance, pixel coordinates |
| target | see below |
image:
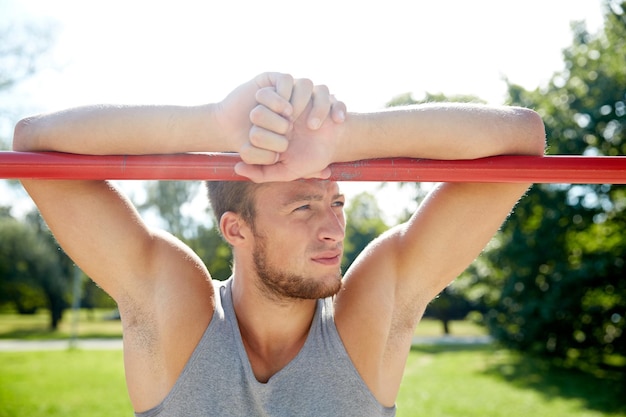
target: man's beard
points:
(280, 284)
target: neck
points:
(273, 332)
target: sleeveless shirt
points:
(218, 379)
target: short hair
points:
(234, 196)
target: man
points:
(286, 335)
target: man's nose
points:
(332, 227)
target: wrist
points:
(221, 133)
(351, 139)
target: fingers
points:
(320, 107)
(290, 101)
(338, 111)
(282, 83)
(265, 118)
(274, 91)
(267, 140)
(275, 173)
(324, 105)
(253, 172)
(272, 99)
(284, 106)
(254, 156)
(267, 136)
(290, 98)
(301, 96)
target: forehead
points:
(283, 192)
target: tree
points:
(16, 255)
(213, 250)
(561, 256)
(167, 198)
(33, 271)
(364, 223)
(451, 304)
(30, 276)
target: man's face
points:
(299, 231)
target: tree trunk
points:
(446, 327)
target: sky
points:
(189, 52)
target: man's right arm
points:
(95, 224)
(160, 285)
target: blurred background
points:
(551, 285)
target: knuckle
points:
(255, 156)
(256, 136)
(257, 114)
(282, 145)
(245, 154)
(287, 78)
(306, 82)
(262, 94)
(321, 89)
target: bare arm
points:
(388, 287)
(456, 220)
(441, 131)
(435, 131)
(407, 267)
(160, 285)
(219, 127)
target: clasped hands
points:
(283, 128)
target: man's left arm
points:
(389, 286)
(456, 220)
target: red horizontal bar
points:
(219, 167)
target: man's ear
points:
(234, 229)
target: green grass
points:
(63, 383)
(91, 324)
(472, 381)
(440, 381)
(430, 327)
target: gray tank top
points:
(218, 379)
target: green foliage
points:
(213, 250)
(561, 256)
(407, 99)
(92, 296)
(364, 224)
(167, 198)
(33, 270)
(450, 305)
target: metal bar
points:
(219, 167)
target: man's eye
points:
(303, 208)
(338, 204)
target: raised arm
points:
(456, 220)
(217, 127)
(407, 267)
(435, 131)
(93, 222)
(160, 285)
(389, 286)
